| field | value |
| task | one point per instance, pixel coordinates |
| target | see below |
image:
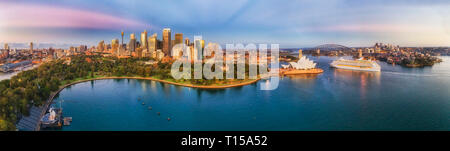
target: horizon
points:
(299, 24)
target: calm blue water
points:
(396, 99)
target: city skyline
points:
(291, 24)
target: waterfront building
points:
(302, 64)
(166, 41)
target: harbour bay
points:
(396, 98)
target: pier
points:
(33, 121)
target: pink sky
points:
(31, 15)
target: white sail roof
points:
(302, 63)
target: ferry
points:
(360, 64)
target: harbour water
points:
(396, 98)
(8, 75)
(4, 76)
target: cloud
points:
(45, 16)
(397, 28)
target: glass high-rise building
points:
(152, 44)
(178, 38)
(132, 43)
(144, 44)
(166, 41)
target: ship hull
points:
(372, 69)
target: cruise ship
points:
(360, 64)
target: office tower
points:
(198, 48)
(139, 52)
(166, 41)
(7, 49)
(31, 47)
(177, 47)
(202, 42)
(144, 44)
(152, 44)
(100, 46)
(132, 43)
(178, 38)
(186, 41)
(300, 53)
(115, 46)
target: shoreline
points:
(168, 82)
(298, 72)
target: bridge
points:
(332, 47)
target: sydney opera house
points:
(302, 64)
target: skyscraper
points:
(166, 41)
(100, 46)
(115, 46)
(6, 46)
(198, 48)
(202, 42)
(144, 44)
(7, 49)
(178, 38)
(186, 41)
(31, 47)
(132, 43)
(152, 44)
